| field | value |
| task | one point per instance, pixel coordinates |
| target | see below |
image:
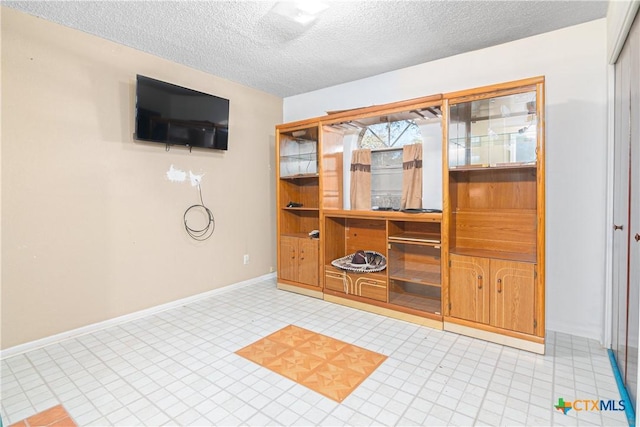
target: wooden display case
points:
(494, 214)
(499, 130)
(298, 201)
(477, 268)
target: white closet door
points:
(621, 210)
(633, 328)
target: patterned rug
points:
(326, 365)
(53, 417)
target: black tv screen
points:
(175, 115)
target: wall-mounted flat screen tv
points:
(175, 115)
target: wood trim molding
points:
(300, 290)
(434, 324)
(534, 347)
(494, 330)
(360, 112)
(489, 91)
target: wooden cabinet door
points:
(336, 280)
(513, 295)
(288, 258)
(469, 288)
(370, 285)
(308, 261)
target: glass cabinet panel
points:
(493, 132)
(414, 275)
(299, 153)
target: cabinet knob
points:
(479, 281)
(499, 285)
(637, 237)
(618, 227)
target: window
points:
(389, 135)
(386, 135)
(386, 141)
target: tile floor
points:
(179, 367)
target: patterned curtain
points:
(361, 179)
(411, 177)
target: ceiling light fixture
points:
(302, 12)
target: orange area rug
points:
(326, 365)
(54, 417)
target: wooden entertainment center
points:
(472, 261)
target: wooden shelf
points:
(301, 176)
(429, 277)
(392, 215)
(415, 302)
(301, 209)
(492, 167)
(429, 239)
(305, 235)
(508, 256)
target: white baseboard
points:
(32, 345)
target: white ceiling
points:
(246, 42)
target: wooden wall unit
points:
(495, 213)
(477, 268)
(297, 171)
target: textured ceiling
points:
(247, 42)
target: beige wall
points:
(91, 227)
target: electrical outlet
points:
(271, 269)
(245, 259)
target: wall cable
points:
(207, 231)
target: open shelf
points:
(300, 190)
(428, 275)
(520, 165)
(416, 237)
(430, 217)
(298, 222)
(413, 262)
(299, 235)
(415, 302)
(301, 176)
(412, 232)
(301, 209)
